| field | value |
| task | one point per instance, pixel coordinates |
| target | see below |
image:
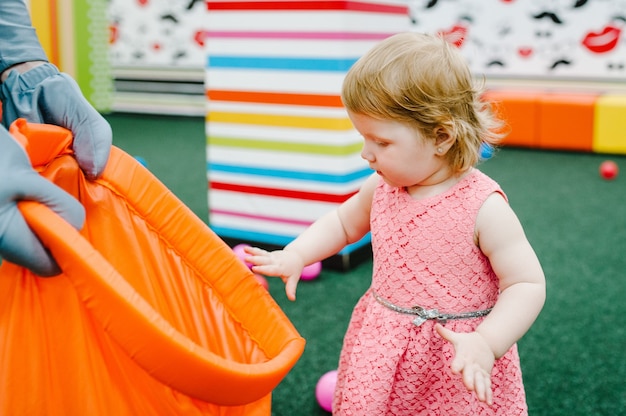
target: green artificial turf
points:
(572, 358)
(174, 150)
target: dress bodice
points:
(424, 250)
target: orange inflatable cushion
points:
(153, 313)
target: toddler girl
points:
(455, 281)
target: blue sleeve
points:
(18, 39)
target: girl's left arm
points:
(522, 294)
(522, 283)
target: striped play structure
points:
(74, 34)
(280, 147)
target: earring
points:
(439, 150)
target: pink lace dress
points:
(424, 254)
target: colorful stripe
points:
(325, 123)
(270, 206)
(67, 36)
(290, 147)
(261, 217)
(249, 235)
(299, 82)
(54, 32)
(266, 97)
(276, 239)
(284, 193)
(277, 63)
(287, 35)
(92, 60)
(306, 5)
(44, 18)
(291, 174)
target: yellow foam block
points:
(609, 135)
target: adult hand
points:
(473, 359)
(18, 180)
(41, 94)
(287, 265)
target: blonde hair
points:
(424, 81)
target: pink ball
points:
(311, 271)
(240, 253)
(325, 390)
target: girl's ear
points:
(443, 139)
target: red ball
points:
(609, 170)
(262, 280)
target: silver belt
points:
(424, 315)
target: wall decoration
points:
(73, 34)
(157, 33)
(580, 40)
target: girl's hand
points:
(473, 359)
(287, 265)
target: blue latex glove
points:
(44, 95)
(40, 95)
(18, 180)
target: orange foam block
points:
(609, 134)
(566, 121)
(520, 110)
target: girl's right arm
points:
(325, 237)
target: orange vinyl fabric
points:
(153, 313)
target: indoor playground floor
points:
(572, 358)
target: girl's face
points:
(399, 154)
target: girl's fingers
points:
(469, 378)
(253, 250)
(489, 396)
(290, 288)
(445, 333)
(478, 381)
(457, 363)
(483, 387)
(273, 264)
(479, 386)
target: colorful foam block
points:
(610, 124)
(520, 110)
(566, 121)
